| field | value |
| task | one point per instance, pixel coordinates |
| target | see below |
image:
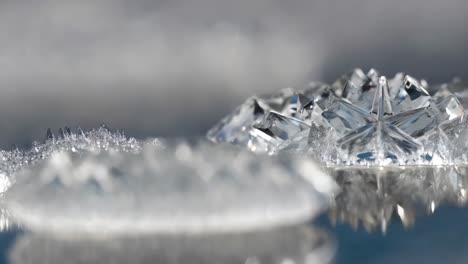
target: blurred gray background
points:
(174, 67)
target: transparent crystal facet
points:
(365, 119)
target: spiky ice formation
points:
(93, 140)
(361, 119)
(179, 189)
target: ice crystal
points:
(361, 119)
(180, 188)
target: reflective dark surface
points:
(435, 239)
(398, 215)
(297, 244)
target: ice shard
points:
(234, 128)
(345, 117)
(411, 95)
(365, 119)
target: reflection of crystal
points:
(6, 221)
(371, 196)
(177, 189)
(366, 119)
(298, 244)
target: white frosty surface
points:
(11, 161)
(179, 189)
(292, 245)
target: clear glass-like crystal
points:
(361, 119)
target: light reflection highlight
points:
(293, 245)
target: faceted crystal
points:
(361, 91)
(411, 95)
(345, 117)
(365, 119)
(234, 127)
(456, 87)
(450, 108)
(377, 142)
(275, 129)
(265, 124)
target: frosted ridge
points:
(180, 189)
(67, 140)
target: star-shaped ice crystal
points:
(361, 119)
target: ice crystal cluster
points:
(371, 196)
(176, 189)
(94, 140)
(361, 119)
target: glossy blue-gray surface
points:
(438, 238)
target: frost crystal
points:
(361, 119)
(79, 141)
(166, 190)
(371, 196)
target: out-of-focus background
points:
(174, 67)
